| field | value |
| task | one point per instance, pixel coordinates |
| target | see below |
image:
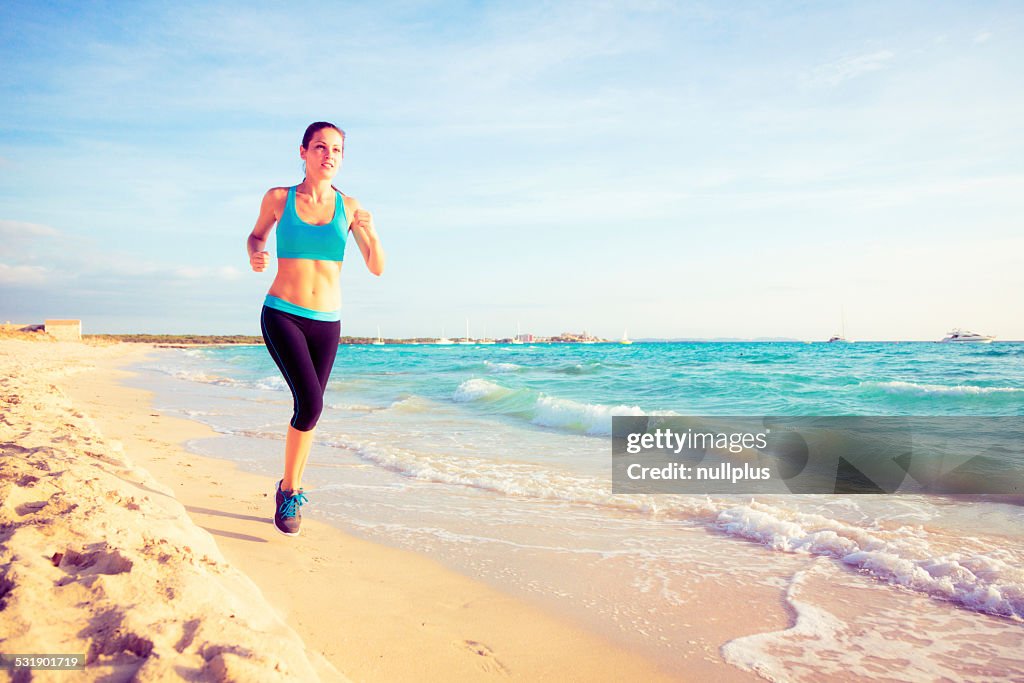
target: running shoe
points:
(287, 516)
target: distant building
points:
(64, 330)
(577, 337)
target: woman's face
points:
(323, 156)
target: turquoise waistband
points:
(288, 307)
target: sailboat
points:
(518, 339)
(378, 341)
(444, 339)
(625, 338)
(465, 340)
(841, 338)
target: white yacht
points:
(959, 335)
(378, 341)
(625, 338)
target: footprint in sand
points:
(485, 657)
(102, 561)
(30, 507)
(6, 586)
(108, 637)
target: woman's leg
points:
(297, 446)
(323, 349)
(286, 336)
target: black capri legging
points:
(304, 350)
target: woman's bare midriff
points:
(308, 283)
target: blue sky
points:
(680, 169)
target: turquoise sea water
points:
(496, 460)
(574, 385)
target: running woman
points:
(301, 317)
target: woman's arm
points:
(270, 210)
(366, 237)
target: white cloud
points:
(834, 73)
(189, 272)
(982, 37)
(211, 273)
(229, 273)
(20, 229)
(22, 275)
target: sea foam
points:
(540, 409)
(899, 387)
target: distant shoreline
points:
(193, 340)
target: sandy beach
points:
(157, 564)
(120, 544)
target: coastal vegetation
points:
(225, 339)
(222, 339)
(187, 339)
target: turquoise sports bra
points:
(298, 239)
